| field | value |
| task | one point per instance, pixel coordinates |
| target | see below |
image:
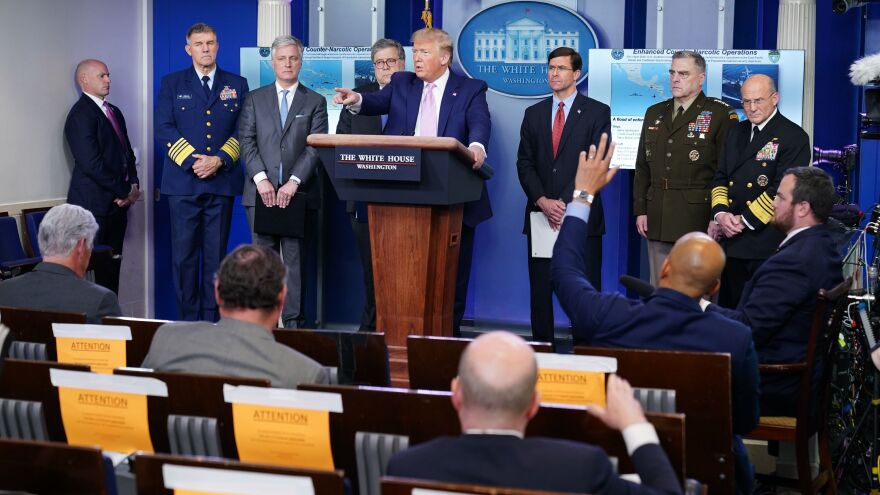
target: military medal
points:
(702, 135)
(763, 181)
(691, 135)
(768, 152)
(694, 155)
(228, 93)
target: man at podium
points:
(448, 105)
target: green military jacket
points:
(676, 163)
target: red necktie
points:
(558, 124)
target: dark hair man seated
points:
(495, 397)
(778, 302)
(250, 289)
(66, 238)
(671, 318)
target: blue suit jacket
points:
(101, 161)
(533, 463)
(187, 122)
(779, 300)
(667, 320)
(464, 115)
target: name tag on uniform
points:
(184, 96)
(228, 93)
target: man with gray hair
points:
(388, 57)
(274, 124)
(67, 235)
(495, 396)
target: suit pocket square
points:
(300, 115)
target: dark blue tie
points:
(205, 86)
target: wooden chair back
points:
(51, 467)
(142, 332)
(148, 473)
(702, 384)
(433, 361)
(35, 325)
(361, 358)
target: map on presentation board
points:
(630, 81)
(323, 70)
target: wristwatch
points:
(583, 196)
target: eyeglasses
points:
(757, 101)
(384, 64)
(558, 68)
(682, 74)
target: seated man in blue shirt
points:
(671, 318)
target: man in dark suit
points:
(495, 397)
(778, 302)
(66, 237)
(196, 120)
(250, 290)
(388, 57)
(553, 133)
(757, 153)
(671, 318)
(104, 179)
(434, 101)
(274, 124)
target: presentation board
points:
(630, 81)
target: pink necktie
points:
(111, 115)
(428, 113)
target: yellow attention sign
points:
(103, 355)
(112, 420)
(578, 388)
(283, 436)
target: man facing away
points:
(434, 101)
(250, 289)
(275, 122)
(671, 318)
(553, 133)
(104, 178)
(66, 237)
(388, 57)
(494, 395)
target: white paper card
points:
(543, 235)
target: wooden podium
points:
(415, 227)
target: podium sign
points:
(370, 163)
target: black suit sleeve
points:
(344, 124)
(131, 169)
(526, 165)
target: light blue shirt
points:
(578, 210)
(567, 108)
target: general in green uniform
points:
(677, 158)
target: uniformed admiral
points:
(196, 123)
(677, 159)
(756, 155)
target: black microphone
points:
(640, 287)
